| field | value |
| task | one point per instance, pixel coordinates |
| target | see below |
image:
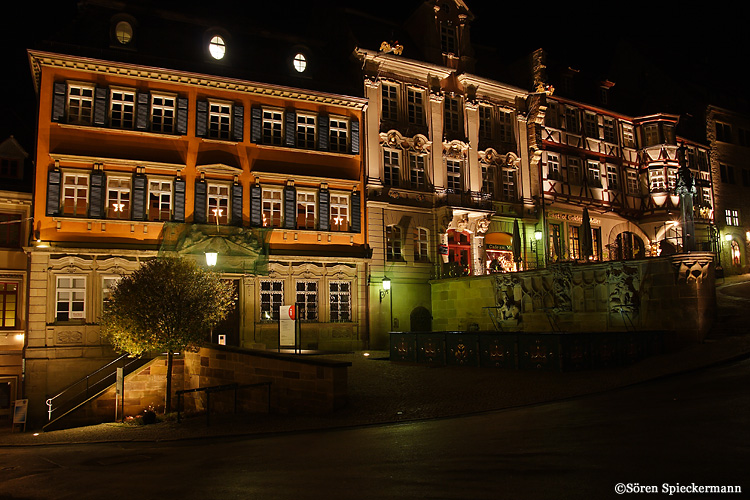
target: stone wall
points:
(298, 385)
(675, 294)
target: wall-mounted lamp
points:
(386, 288)
(211, 258)
(728, 237)
(538, 235)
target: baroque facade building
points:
(136, 161)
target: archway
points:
(627, 246)
(420, 320)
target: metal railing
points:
(90, 385)
(219, 388)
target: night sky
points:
(707, 49)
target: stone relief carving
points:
(69, 337)
(691, 270)
(505, 286)
(562, 277)
(624, 288)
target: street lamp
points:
(728, 237)
(211, 258)
(386, 288)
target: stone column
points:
(372, 155)
(436, 135)
(473, 171)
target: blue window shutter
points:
(291, 128)
(238, 123)
(199, 212)
(323, 132)
(58, 102)
(96, 194)
(182, 115)
(53, 192)
(141, 110)
(201, 118)
(290, 207)
(100, 105)
(356, 222)
(179, 200)
(237, 204)
(140, 192)
(256, 123)
(256, 206)
(355, 137)
(324, 210)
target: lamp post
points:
(385, 291)
(211, 258)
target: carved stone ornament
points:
(455, 149)
(483, 225)
(691, 270)
(69, 337)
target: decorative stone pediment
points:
(219, 168)
(394, 139)
(456, 149)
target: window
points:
(271, 207)
(10, 230)
(159, 199)
(124, 32)
(650, 134)
(574, 243)
(217, 48)
(745, 177)
(447, 38)
(271, 299)
(338, 128)
(390, 101)
(628, 137)
(726, 172)
(218, 203)
(80, 104)
(632, 182)
(553, 167)
(591, 125)
(305, 210)
(595, 243)
(552, 116)
(162, 113)
(416, 170)
(509, 184)
(574, 170)
(572, 123)
(393, 243)
(71, 297)
(555, 252)
(706, 196)
(273, 126)
(421, 245)
(735, 247)
(415, 106)
(732, 217)
(108, 283)
(459, 250)
(306, 131)
(656, 179)
(505, 126)
(485, 122)
(118, 197)
(671, 178)
(299, 62)
(452, 114)
(9, 168)
(609, 130)
(340, 293)
(594, 173)
(75, 194)
(723, 132)
(612, 177)
(669, 135)
(488, 179)
(454, 175)
(744, 136)
(121, 108)
(8, 305)
(306, 300)
(391, 168)
(339, 212)
(219, 120)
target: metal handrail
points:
(87, 379)
(220, 388)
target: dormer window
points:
(217, 48)
(124, 32)
(447, 38)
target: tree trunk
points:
(168, 405)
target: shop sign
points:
(442, 249)
(508, 248)
(572, 218)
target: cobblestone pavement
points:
(384, 392)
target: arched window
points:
(735, 253)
